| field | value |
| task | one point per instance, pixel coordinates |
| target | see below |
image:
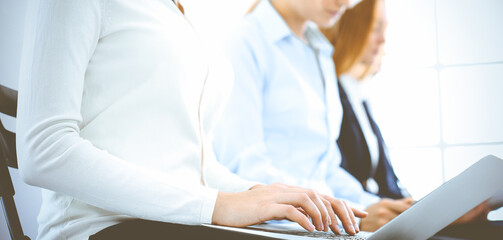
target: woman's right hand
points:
(280, 201)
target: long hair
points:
(350, 35)
(253, 6)
(180, 7)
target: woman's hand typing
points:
(279, 201)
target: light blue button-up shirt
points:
(284, 115)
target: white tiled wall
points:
(411, 102)
(458, 112)
(457, 159)
(472, 103)
(470, 31)
(411, 32)
(419, 169)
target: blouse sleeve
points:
(218, 176)
(52, 154)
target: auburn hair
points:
(180, 7)
(253, 6)
(350, 35)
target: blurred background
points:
(438, 97)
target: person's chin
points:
(327, 23)
(334, 20)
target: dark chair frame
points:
(8, 106)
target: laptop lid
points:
(425, 218)
(447, 203)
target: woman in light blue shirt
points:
(284, 115)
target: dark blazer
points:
(356, 156)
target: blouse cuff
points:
(208, 205)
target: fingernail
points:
(329, 220)
(352, 228)
(357, 228)
(337, 229)
(311, 227)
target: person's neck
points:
(357, 72)
(295, 22)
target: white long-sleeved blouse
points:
(109, 117)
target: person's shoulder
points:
(71, 4)
(248, 28)
(249, 34)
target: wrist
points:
(220, 204)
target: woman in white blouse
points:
(114, 125)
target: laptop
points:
(429, 215)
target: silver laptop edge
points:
(434, 211)
(446, 203)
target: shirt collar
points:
(276, 29)
(352, 88)
(273, 25)
(317, 39)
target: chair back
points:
(8, 106)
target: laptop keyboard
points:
(328, 235)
